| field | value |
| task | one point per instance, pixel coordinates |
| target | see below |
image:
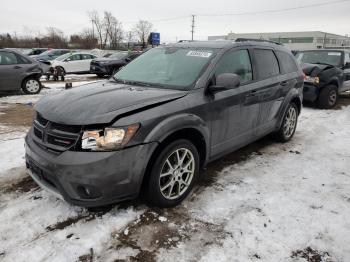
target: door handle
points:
(284, 83)
(17, 67)
(252, 93)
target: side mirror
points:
(67, 60)
(347, 65)
(225, 81)
(128, 59)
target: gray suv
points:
(19, 72)
(162, 117)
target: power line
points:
(278, 10)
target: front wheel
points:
(31, 86)
(328, 97)
(289, 123)
(173, 174)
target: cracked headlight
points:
(311, 79)
(109, 138)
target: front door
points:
(231, 125)
(11, 71)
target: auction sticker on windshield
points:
(334, 53)
(199, 54)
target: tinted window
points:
(287, 62)
(7, 58)
(267, 63)
(236, 62)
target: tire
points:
(100, 75)
(328, 97)
(289, 124)
(31, 86)
(175, 184)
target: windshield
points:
(320, 57)
(119, 55)
(169, 67)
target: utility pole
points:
(192, 26)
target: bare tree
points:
(142, 30)
(113, 29)
(99, 24)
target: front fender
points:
(176, 123)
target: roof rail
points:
(256, 40)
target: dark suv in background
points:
(155, 123)
(111, 64)
(327, 75)
(19, 72)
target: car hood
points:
(315, 69)
(101, 102)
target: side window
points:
(347, 58)
(8, 58)
(267, 64)
(86, 56)
(287, 62)
(236, 62)
(75, 57)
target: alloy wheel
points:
(290, 122)
(177, 173)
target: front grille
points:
(42, 121)
(55, 137)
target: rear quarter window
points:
(287, 62)
(266, 63)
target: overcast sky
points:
(70, 16)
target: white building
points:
(296, 40)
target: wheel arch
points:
(35, 75)
(165, 133)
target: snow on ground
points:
(284, 202)
(286, 198)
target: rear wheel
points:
(31, 86)
(289, 123)
(328, 97)
(173, 174)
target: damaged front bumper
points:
(310, 92)
(89, 178)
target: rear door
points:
(230, 128)
(85, 62)
(267, 92)
(12, 69)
